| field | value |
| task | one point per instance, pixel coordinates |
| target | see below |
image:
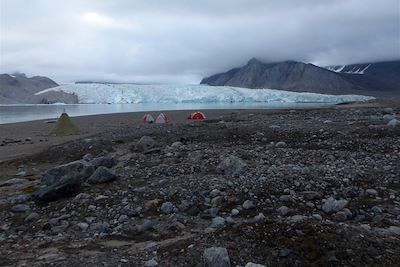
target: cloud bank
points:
(183, 41)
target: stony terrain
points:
(293, 188)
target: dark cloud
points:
(182, 41)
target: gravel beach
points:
(273, 187)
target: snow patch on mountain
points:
(130, 93)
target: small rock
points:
(216, 257)
(87, 157)
(394, 123)
(167, 207)
(145, 143)
(146, 225)
(83, 226)
(214, 193)
(231, 165)
(99, 227)
(332, 205)
(31, 217)
(151, 263)
(340, 216)
(388, 111)
(20, 208)
(286, 198)
(14, 181)
(317, 217)
(248, 204)
(283, 210)
(311, 195)
(250, 264)
(217, 222)
(234, 212)
(371, 192)
(281, 144)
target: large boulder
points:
(216, 257)
(106, 161)
(79, 169)
(65, 186)
(101, 175)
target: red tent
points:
(148, 118)
(196, 116)
(162, 118)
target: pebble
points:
(281, 144)
(371, 192)
(167, 207)
(248, 204)
(151, 263)
(283, 210)
(217, 222)
(20, 208)
(234, 212)
(216, 257)
(31, 217)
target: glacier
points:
(176, 94)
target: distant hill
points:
(377, 79)
(19, 89)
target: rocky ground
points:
(293, 188)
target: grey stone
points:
(146, 225)
(283, 210)
(99, 227)
(234, 212)
(151, 263)
(286, 198)
(104, 161)
(102, 175)
(31, 217)
(14, 181)
(79, 169)
(332, 205)
(371, 192)
(145, 143)
(20, 208)
(87, 157)
(83, 226)
(63, 187)
(217, 222)
(231, 165)
(311, 195)
(281, 144)
(340, 216)
(248, 204)
(167, 207)
(394, 123)
(250, 264)
(216, 257)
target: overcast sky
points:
(183, 41)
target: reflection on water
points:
(19, 113)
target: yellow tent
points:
(64, 126)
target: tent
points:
(196, 116)
(162, 118)
(64, 126)
(148, 118)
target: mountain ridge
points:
(305, 77)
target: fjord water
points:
(20, 113)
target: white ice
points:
(174, 94)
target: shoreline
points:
(34, 138)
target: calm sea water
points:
(19, 113)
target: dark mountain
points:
(17, 88)
(380, 77)
(302, 77)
